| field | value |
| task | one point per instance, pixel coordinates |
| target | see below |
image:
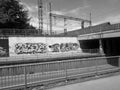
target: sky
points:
(101, 11)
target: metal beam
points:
(70, 18)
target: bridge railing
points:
(34, 32)
(23, 32)
(99, 28)
(28, 75)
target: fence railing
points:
(34, 32)
(99, 28)
(26, 75)
(24, 32)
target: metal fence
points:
(24, 32)
(20, 76)
(35, 32)
(100, 28)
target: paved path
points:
(110, 83)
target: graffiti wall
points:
(4, 48)
(40, 45)
(64, 47)
(30, 48)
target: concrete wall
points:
(4, 47)
(38, 45)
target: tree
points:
(13, 15)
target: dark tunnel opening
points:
(4, 48)
(89, 46)
(111, 46)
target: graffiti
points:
(30, 48)
(64, 47)
(55, 47)
(3, 52)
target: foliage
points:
(13, 15)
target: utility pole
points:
(82, 24)
(65, 26)
(40, 16)
(90, 19)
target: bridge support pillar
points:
(101, 47)
(119, 62)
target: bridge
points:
(108, 39)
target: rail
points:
(30, 75)
(94, 29)
(100, 28)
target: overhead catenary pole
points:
(90, 19)
(83, 21)
(70, 18)
(40, 16)
(47, 14)
(82, 24)
(65, 26)
(50, 17)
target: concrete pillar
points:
(118, 61)
(101, 47)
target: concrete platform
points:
(46, 57)
(110, 83)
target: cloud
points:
(30, 8)
(58, 12)
(72, 25)
(112, 19)
(78, 9)
(34, 21)
(112, 1)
